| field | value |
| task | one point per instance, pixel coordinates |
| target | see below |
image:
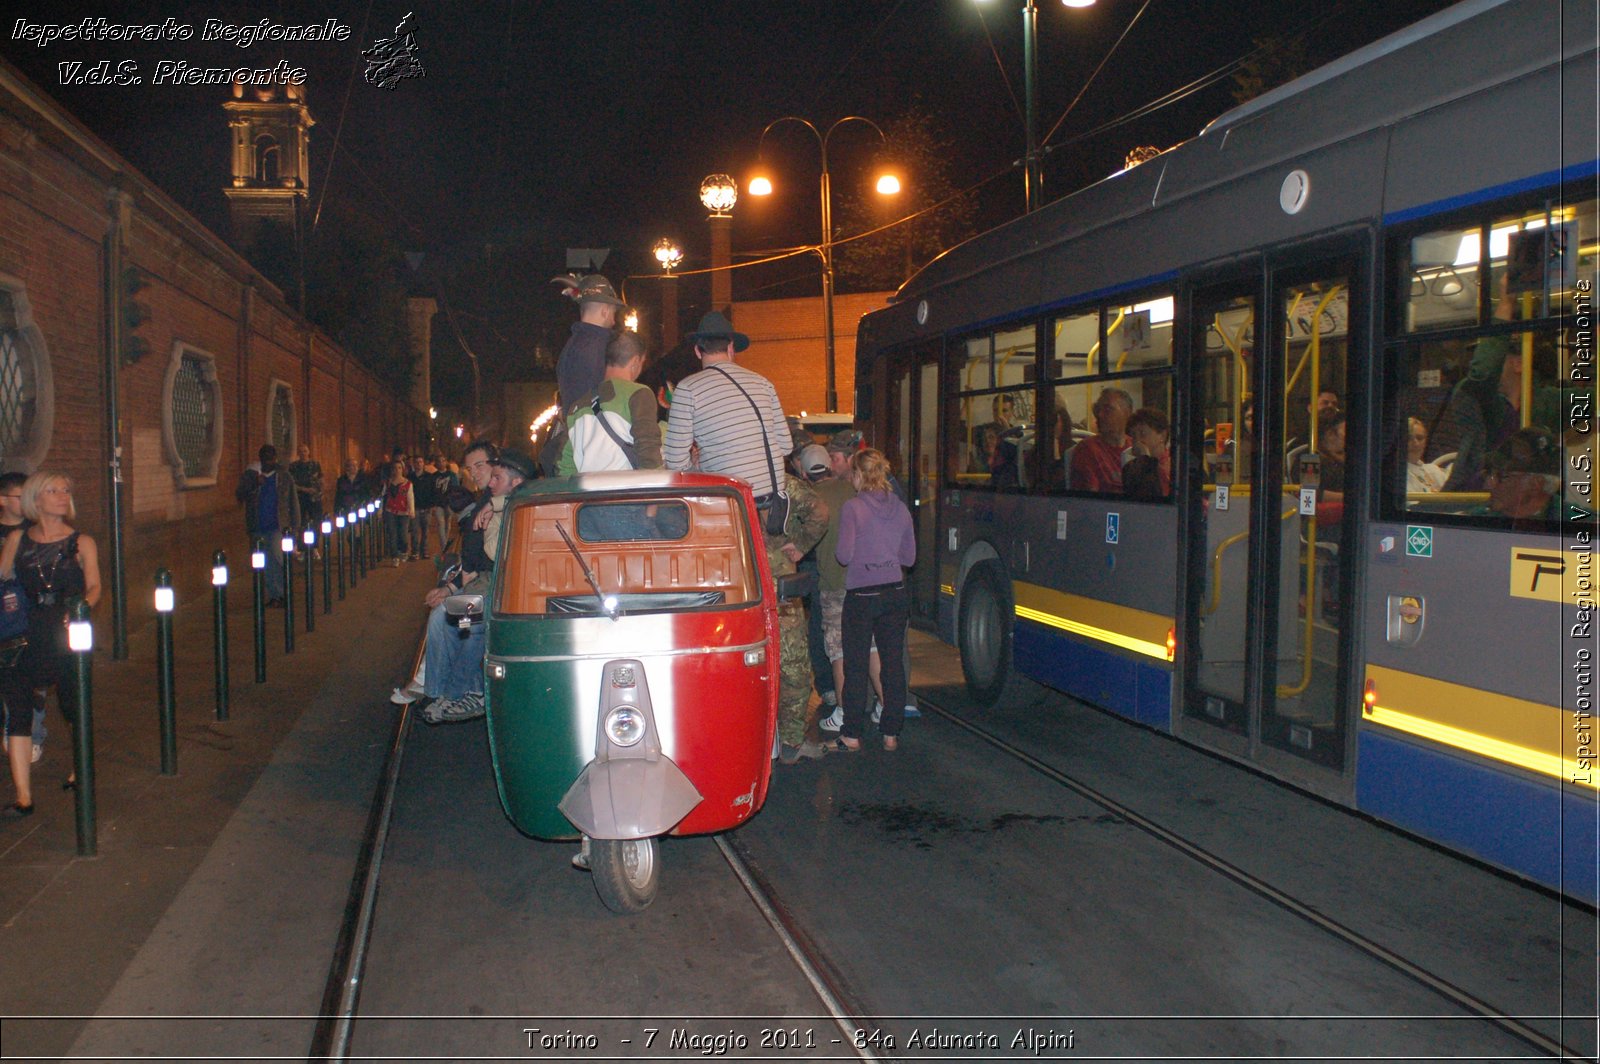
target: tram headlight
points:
(625, 725)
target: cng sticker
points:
(1113, 527)
(1419, 541)
(1553, 575)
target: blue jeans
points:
(272, 574)
(454, 663)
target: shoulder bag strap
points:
(766, 446)
(629, 451)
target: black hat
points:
(714, 326)
(517, 462)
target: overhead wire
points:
(1103, 61)
(338, 129)
(1015, 106)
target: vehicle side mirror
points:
(796, 585)
(464, 609)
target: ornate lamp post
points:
(669, 255)
(761, 185)
(718, 193)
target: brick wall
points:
(56, 187)
(786, 345)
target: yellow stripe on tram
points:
(1531, 735)
(1106, 622)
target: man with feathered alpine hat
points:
(582, 365)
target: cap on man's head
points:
(814, 460)
(516, 462)
(716, 326)
(845, 441)
(593, 288)
(1529, 450)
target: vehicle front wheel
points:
(984, 631)
(627, 872)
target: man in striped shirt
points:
(709, 410)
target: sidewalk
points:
(306, 746)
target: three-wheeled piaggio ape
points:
(631, 667)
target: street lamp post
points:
(762, 186)
(668, 255)
(1032, 176)
(718, 194)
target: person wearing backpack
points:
(614, 427)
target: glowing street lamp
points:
(886, 184)
(668, 254)
(718, 193)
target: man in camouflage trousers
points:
(808, 521)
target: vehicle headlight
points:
(625, 725)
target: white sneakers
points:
(835, 720)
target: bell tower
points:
(271, 164)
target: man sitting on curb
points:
(453, 674)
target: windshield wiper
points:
(608, 603)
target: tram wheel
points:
(984, 630)
(627, 872)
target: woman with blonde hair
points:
(876, 545)
(55, 564)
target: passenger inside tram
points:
(1524, 479)
(1486, 405)
(1097, 462)
(1421, 476)
(1148, 474)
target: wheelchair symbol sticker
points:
(1113, 527)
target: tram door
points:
(1268, 609)
(914, 402)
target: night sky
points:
(545, 125)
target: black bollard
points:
(219, 627)
(309, 538)
(327, 563)
(258, 572)
(80, 640)
(358, 541)
(165, 602)
(338, 543)
(288, 592)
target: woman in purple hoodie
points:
(876, 545)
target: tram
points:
(1362, 305)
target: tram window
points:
(1586, 218)
(1075, 346)
(1139, 335)
(974, 373)
(1013, 357)
(1468, 435)
(993, 439)
(1440, 279)
(1081, 413)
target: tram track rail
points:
(346, 974)
(1261, 888)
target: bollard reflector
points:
(338, 522)
(165, 600)
(309, 536)
(80, 636)
(327, 526)
(258, 559)
(219, 576)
